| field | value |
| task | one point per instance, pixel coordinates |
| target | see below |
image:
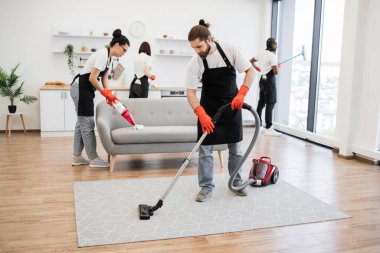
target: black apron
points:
(268, 88)
(219, 88)
(87, 92)
(139, 90)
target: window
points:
(307, 88)
(332, 29)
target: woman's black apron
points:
(219, 88)
(268, 88)
(139, 90)
(87, 92)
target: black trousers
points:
(268, 97)
(268, 112)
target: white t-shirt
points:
(265, 60)
(142, 60)
(97, 60)
(195, 68)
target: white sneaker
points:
(99, 163)
(271, 132)
(79, 160)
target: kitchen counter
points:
(67, 87)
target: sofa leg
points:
(112, 162)
(109, 157)
(220, 153)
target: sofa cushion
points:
(155, 134)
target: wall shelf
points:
(82, 36)
(183, 55)
(171, 39)
(75, 52)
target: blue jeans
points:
(206, 164)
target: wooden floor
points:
(37, 203)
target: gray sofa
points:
(169, 126)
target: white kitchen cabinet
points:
(58, 115)
(57, 111)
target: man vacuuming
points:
(214, 66)
(269, 68)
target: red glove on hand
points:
(152, 77)
(109, 97)
(278, 65)
(204, 119)
(237, 102)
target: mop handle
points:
(291, 58)
(180, 171)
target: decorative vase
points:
(12, 108)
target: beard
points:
(204, 54)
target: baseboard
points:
(366, 160)
(356, 156)
(22, 130)
(347, 157)
(335, 150)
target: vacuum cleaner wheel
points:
(275, 176)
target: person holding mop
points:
(214, 66)
(267, 60)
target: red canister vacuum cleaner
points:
(263, 172)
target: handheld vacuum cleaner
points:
(145, 211)
(124, 112)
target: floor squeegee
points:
(302, 53)
(279, 64)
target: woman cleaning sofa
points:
(95, 67)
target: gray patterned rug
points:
(107, 211)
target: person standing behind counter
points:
(96, 67)
(142, 65)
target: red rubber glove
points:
(204, 119)
(278, 65)
(152, 77)
(237, 102)
(109, 97)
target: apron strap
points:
(75, 78)
(205, 63)
(134, 80)
(225, 59)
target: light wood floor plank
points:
(37, 203)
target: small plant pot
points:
(12, 108)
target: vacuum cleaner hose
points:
(247, 152)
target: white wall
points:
(359, 88)
(26, 35)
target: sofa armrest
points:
(106, 121)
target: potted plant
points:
(69, 52)
(9, 87)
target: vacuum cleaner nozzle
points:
(146, 211)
